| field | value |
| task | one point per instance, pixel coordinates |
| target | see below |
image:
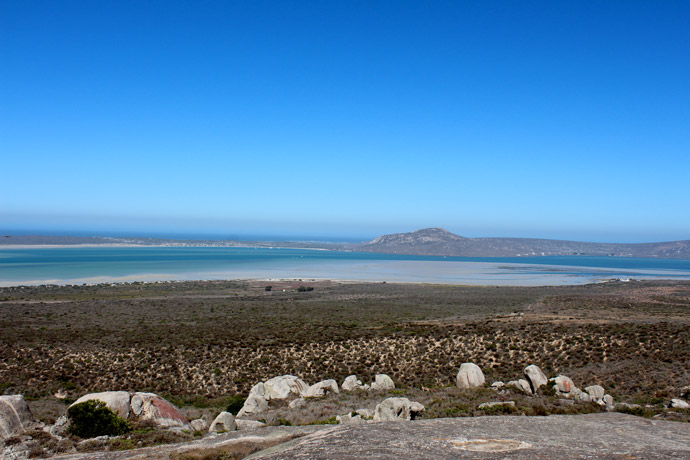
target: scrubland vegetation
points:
(203, 343)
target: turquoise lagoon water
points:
(120, 264)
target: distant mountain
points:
(440, 242)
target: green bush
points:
(235, 403)
(92, 418)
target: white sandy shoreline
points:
(128, 245)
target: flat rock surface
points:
(605, 436)
(259, 436)
(599, 436)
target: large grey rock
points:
(150, 406)
(677, 403)
(535, 377)
(601, 436)
(382, 382)
(254, 404)
(608, 401)
(283, 386)
(349, 419)
(225, 421)
(117, 401)
(297, 403)
(15, 416)
(322, 388)
(199, 424)
(248, 424)
(469, 376)
(596, 392)
(521, 385)
(352, 383)
(564, 386)
(498, 385)
(395, 409)
(258, 390)
(583, 396)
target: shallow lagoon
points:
(76, 265)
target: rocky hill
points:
(440, 242)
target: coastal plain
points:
(214, 339)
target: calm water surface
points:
(93, 264)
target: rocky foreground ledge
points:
(599, 436)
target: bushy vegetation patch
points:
(235, 403)
(92, 418)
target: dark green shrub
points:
(91, 418)
(305, 289)
(547, 390)
(283, 422)
(268, 288)
(500, 409)
(235, 403)
(637, 411)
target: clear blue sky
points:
(347, 118)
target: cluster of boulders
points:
(289, 386)
(470, 375)
(16, 417)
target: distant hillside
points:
(440, 242)
(47, 240)
(428, 241)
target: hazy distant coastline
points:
(427, 242)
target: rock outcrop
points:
(352, 383)
(150, 406)
(199, 424)
(498, 385)
(521, 385)
(678, 403)
(349, 419)
(382, 382)
(225, 421)
(396, 409)
(596, 392)
(277, 388)
(117, 401)
(469, 376)
(535, 377)
(254, 404)
(248, 424)
(565, 387)
(322, 388)
(283, 386)
(15, 416)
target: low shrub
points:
(92, 418)
(235, 403)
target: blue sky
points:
(545, 119)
